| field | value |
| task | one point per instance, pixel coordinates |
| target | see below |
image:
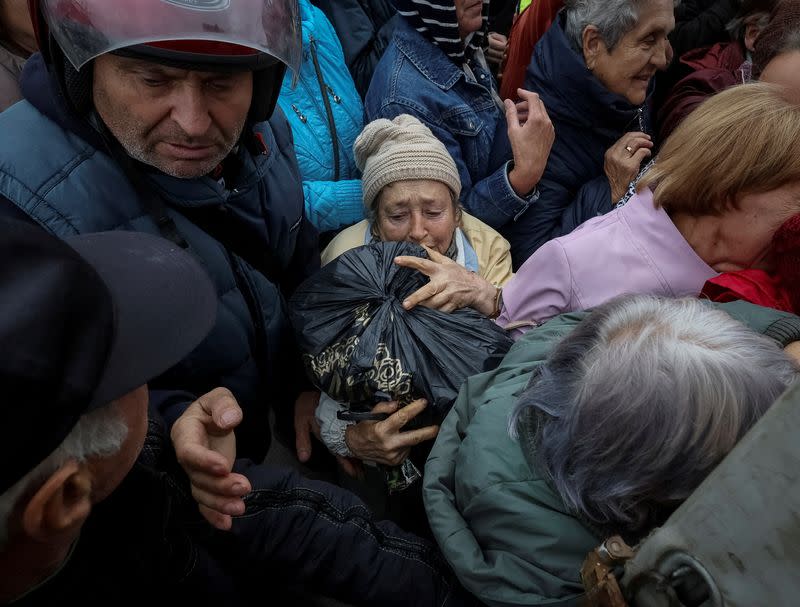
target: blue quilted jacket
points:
(54, 170)
(333, 201)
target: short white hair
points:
(98, 433)
(612, 18)
(640, 402)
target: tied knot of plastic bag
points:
(357, 339)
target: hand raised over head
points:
(531, 135)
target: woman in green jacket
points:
(596, 423)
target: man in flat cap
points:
(93, 507)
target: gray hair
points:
(637, 405)
(612, 18)
(736, 27)
(98, 433)
(790, 43)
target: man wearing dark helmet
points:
(157, 116)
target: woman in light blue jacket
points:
(326, 115)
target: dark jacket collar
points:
(570, 91)
(41, 90)
(428, 58)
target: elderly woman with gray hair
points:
(593, 70)
(597, 423)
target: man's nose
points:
(662, 56)
(418, 230)
(190, 111)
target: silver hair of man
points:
(637, 405)
(612, 18)
(99, 433)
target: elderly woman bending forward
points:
(411, 191)
(616, 417)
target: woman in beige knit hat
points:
(411, 188)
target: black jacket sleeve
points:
(323, 537)
(701, 23)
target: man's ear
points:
(752, 28)
(61, 505)
(593, 45)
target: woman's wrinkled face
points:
(629, 67)
(740, 238)
(470, 16)
(419, 211)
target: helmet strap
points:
(76, 86)
(266, 88)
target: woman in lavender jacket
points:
(721, 186)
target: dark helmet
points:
(262, 36)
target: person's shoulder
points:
(594, 228)
(276, 132)
(474, 226)
(383, 82)
(491, 248)
(347, 239)
(410, 61)
(322, 28)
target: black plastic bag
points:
(357, 339)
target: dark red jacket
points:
(714, 68)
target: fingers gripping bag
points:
(358, 341)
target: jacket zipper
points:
(300, 114)
(323, 89)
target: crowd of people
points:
(611, 184)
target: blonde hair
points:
(740, 141)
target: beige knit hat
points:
(403, 148)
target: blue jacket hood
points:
(308, 22)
